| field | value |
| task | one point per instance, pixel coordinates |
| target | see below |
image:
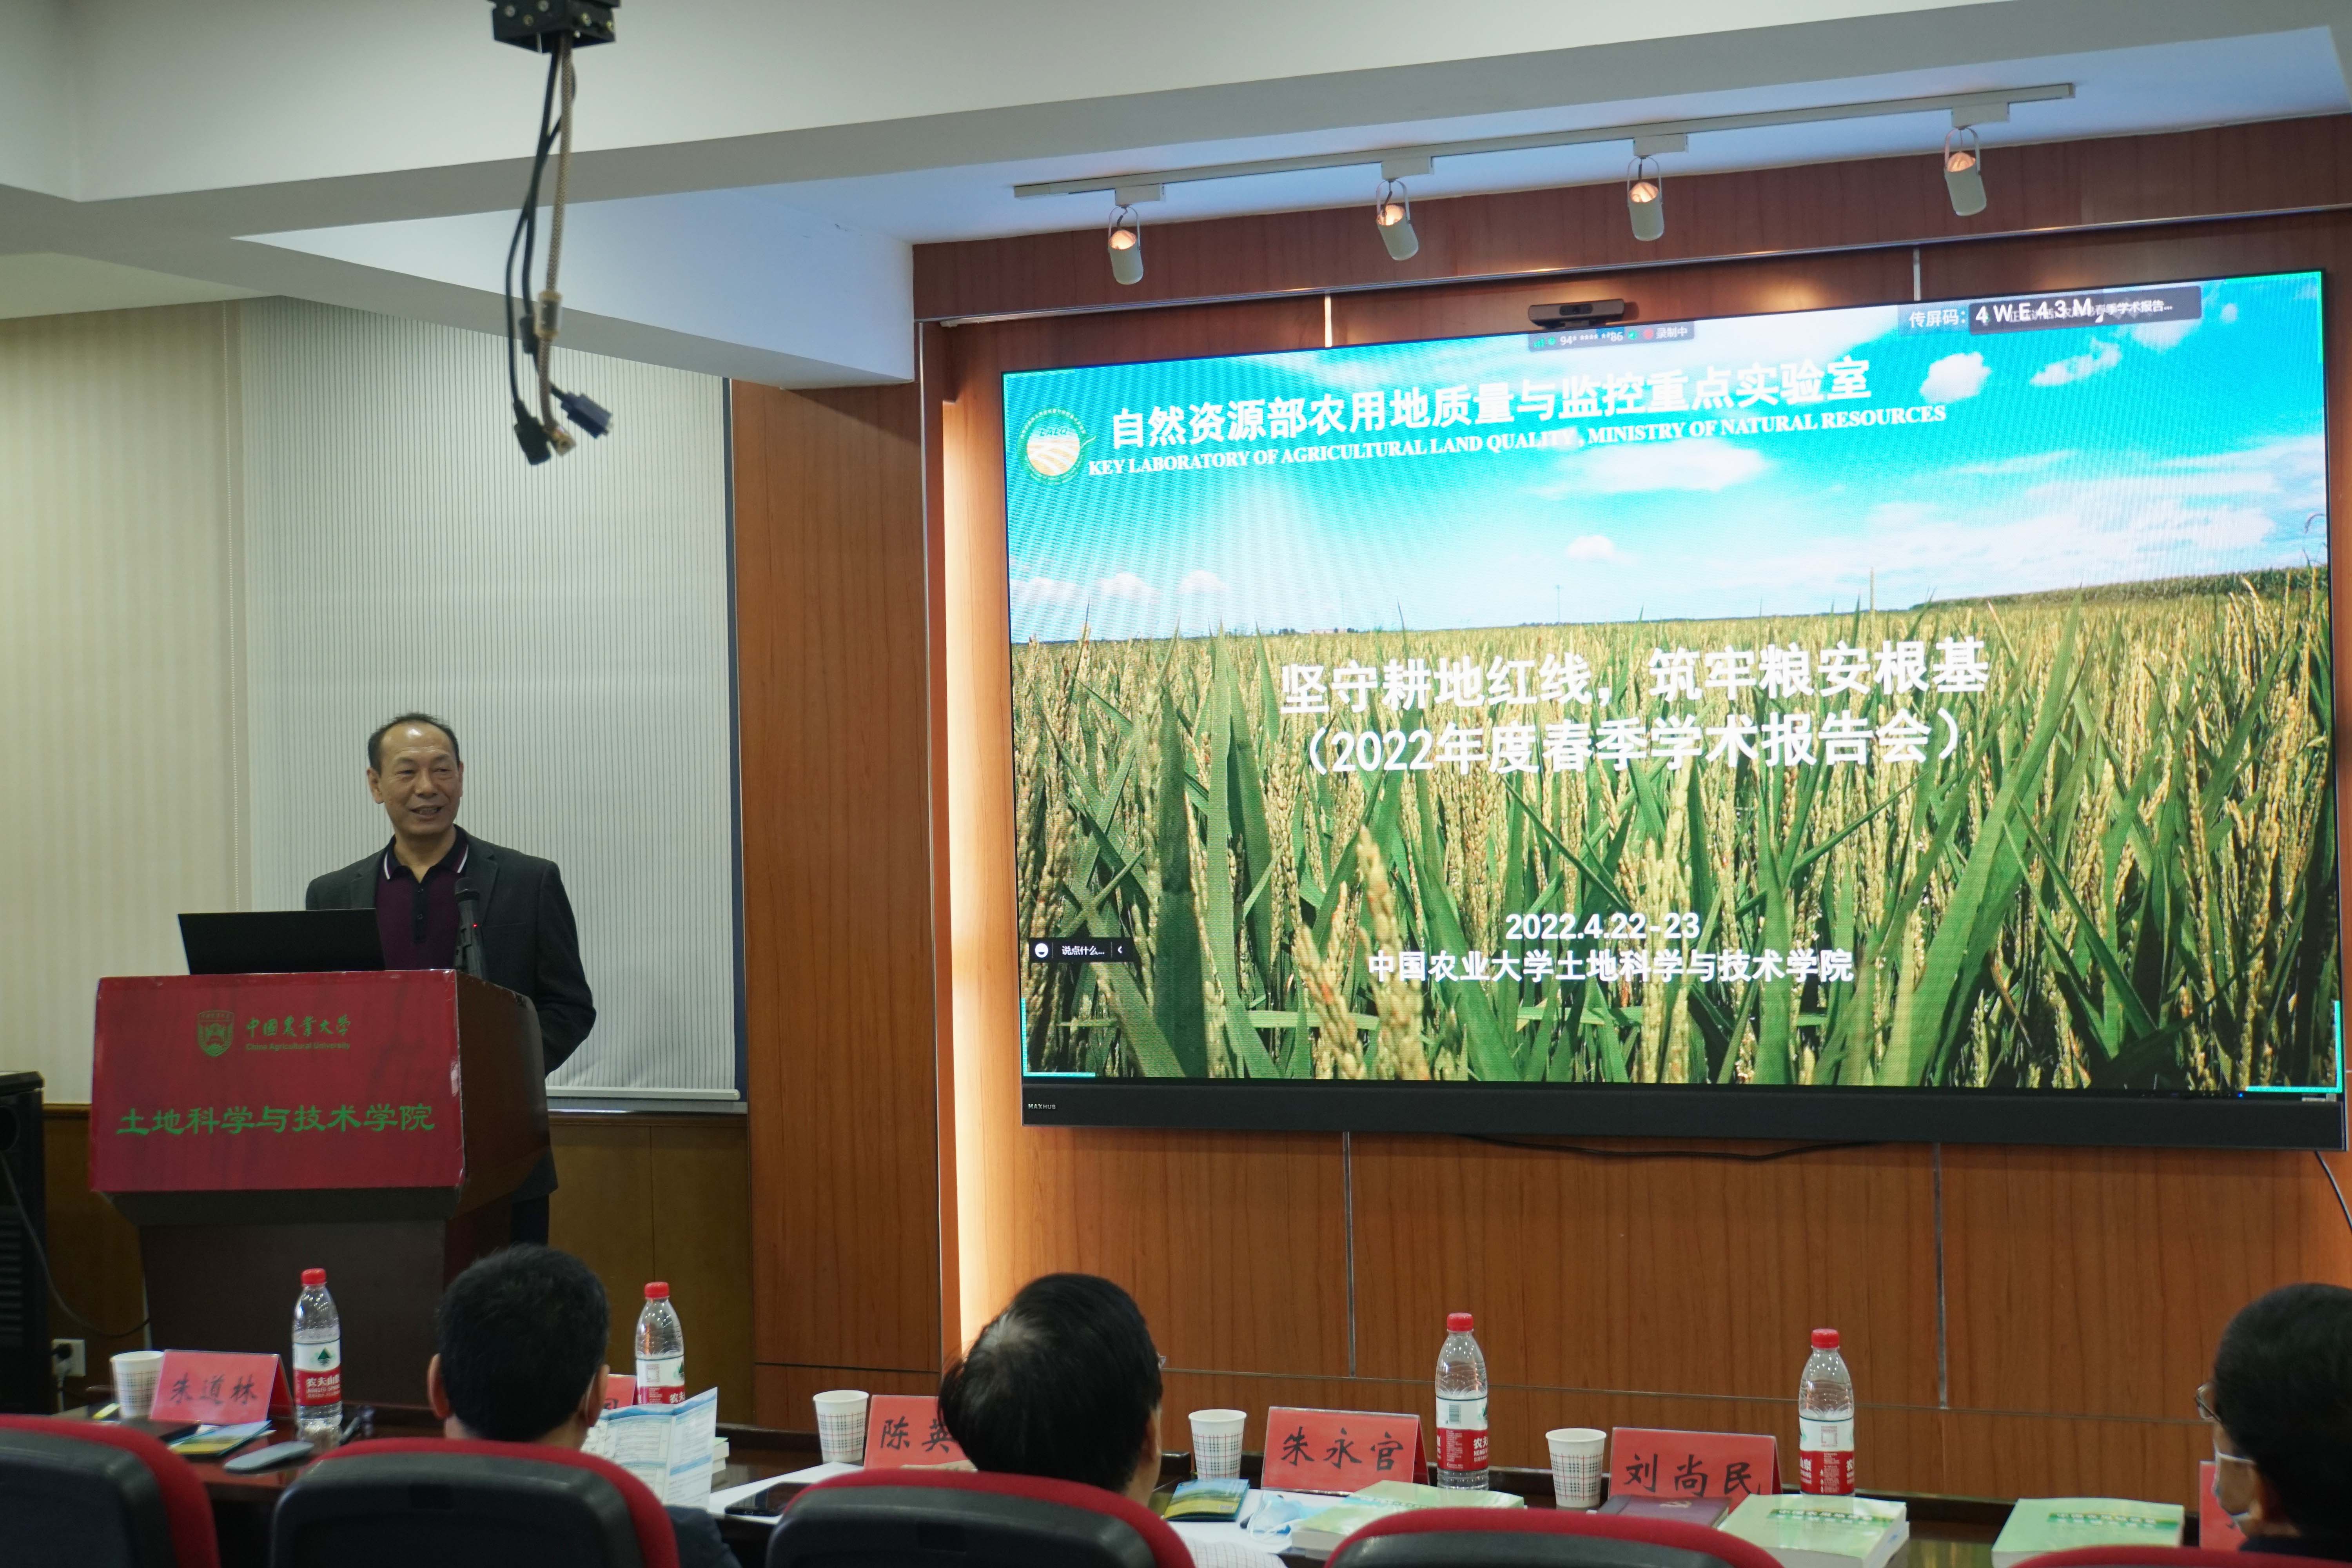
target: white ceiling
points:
(753, 173)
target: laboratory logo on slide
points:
(1052, 443)
(212, 1030)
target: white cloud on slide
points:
(2163, 335)
(1707, 464)
(2030, 463)
(2101, 356)
(1593, 547)
(1046, 591)
(1955, 377)
(1203, 581)
(1127, 586)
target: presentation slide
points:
(1933, 695)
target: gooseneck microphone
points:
(469, 943)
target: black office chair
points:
(99, 1495)
(955, 1519)
(420, 1502)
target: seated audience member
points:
(2281, 1405)
(1065, 1382)
(523, 1360)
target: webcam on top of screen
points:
(1578, 313)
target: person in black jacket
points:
(2280, 1407)
(415, 884)
(521, 1359)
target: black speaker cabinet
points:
(27, 1383)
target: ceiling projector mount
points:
(553, 28)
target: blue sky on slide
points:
(1760, 464)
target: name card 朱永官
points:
(220, 1388)
(1341, 1450)
(1646, 1461)
(904, 1429)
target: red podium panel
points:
(370, 1124)
(253, 1082)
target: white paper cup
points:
(841, 1425)
(135, 1372)
(1579, 1464)
(1217, 1444)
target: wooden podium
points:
(370, 1124)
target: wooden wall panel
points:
(835, 712)
(664, 1198)
(93, 1249)
(1683, 1276)
(2079, 1291)
(2278, 166)
(782, 1394)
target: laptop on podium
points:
(281, 942)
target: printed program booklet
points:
(1206, 1502)
(1318, 1533)
(1803, 1530)
(1690, 1510)
(667, 1446)
(2040, 1524)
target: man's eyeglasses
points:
(2205, 1410)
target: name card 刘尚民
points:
(1646, 1461)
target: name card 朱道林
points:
(1646, 1461)
(220, 1388)
(904, 1429)
(1341, 1450)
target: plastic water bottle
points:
(1825, 1420)
(1461, 1408)
(318, 1363)
(661, 1350)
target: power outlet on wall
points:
(72, 1357)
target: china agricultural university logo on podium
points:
(212, 1030)
(1050, 444)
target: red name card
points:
(1646, 1461)
(221, 1388)
(904, 1429)
(619, 1391)
(255, 1082)
(1341, 1450)
(2215, 1531)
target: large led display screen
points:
(1905, 720)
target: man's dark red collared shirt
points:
(417, 919)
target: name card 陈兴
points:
(1341, 1450)
(220, 1388)
(904, 1429)
(1646, 1461)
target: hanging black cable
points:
(41, 1256)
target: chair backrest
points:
(1522, 1538)
(2135, 1557)
(957, 1519)
(86, 1492)
(424, 1502)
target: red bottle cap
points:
(314, 1277)
(1825, 1339)
(657, 1291)
(1458, 1323)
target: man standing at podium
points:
(431, 871)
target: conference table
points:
(1945, 1533)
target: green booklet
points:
(1804, 1530)
(1318, 1533)
(2040, 1524)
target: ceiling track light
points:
(1645, 199)
(1392, 214)
(1964, 170)
(1125, 242)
